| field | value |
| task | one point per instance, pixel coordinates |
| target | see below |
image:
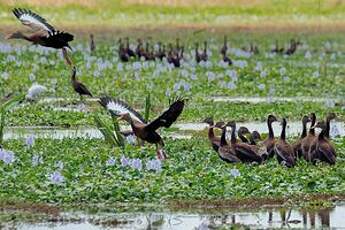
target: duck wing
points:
(117, 107)
(244, 151)
(168, 117)
(33, 20)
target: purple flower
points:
(124, 161)
(30, 141)
(261, 86)
(136, 164)
(7, 157)
(111, 161)
(56, 177)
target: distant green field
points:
(124, 13)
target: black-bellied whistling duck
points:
(149, 56)
(297, 146)
(92, 44)
(321, 148)
(79, 87)
(197, 54)
(270, 141)
(226, 59)
(307, 141)
(293, 47)
(224, 49)
(145, 131)
(122, 52)
(139, 51)
(242, 150)
(284, 151)
(204, 55)
(173, 58)
(225, 151)
(255, 137)
(46, 34)
(128, 50)
(215, 141)
(241, 132)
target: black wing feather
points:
(169, 116)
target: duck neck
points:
(304, 131)
(312, 129)
(222, 138)
(328, 127)
(243, 138)
(283, 135)
(270, 130)
(211, 133)
(233, 134)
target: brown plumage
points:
(270, 141)
(128, 50)
(215, 141)
(306, 141)
(225, 151)
(276, 49)
(145, 131)
(122, 52)
(43, 33)
(197, 54)
(204, 55)
(322, 149)
(242, 150)
(79, 87)
(329, 118)
(297, 146)
(283, 150)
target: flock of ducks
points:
(249, 148)
(174, 54)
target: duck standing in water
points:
(141, 129)
(283, 150)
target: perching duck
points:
(297, 146)
(79, 87)
(283, 150)
(43, 34)
(321, 148)
(307, 141)
(225, 151)
(145, 131)
(242, 150)
(270, 141)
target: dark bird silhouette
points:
(270, 141)
(79, 87)
(92, 44)
(293, 47)
(161, 51)
(197, 54)
(204, 55)
(128, 50)
(283, 150)
(43, 34)
(224, 49)
(329, 118)
(145, 131)
(122, 52)
(297, 146)
(215, 141)
(139, 51)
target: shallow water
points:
(293, 129)
(207, 218)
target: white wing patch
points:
(29, 18)
(120, 109)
